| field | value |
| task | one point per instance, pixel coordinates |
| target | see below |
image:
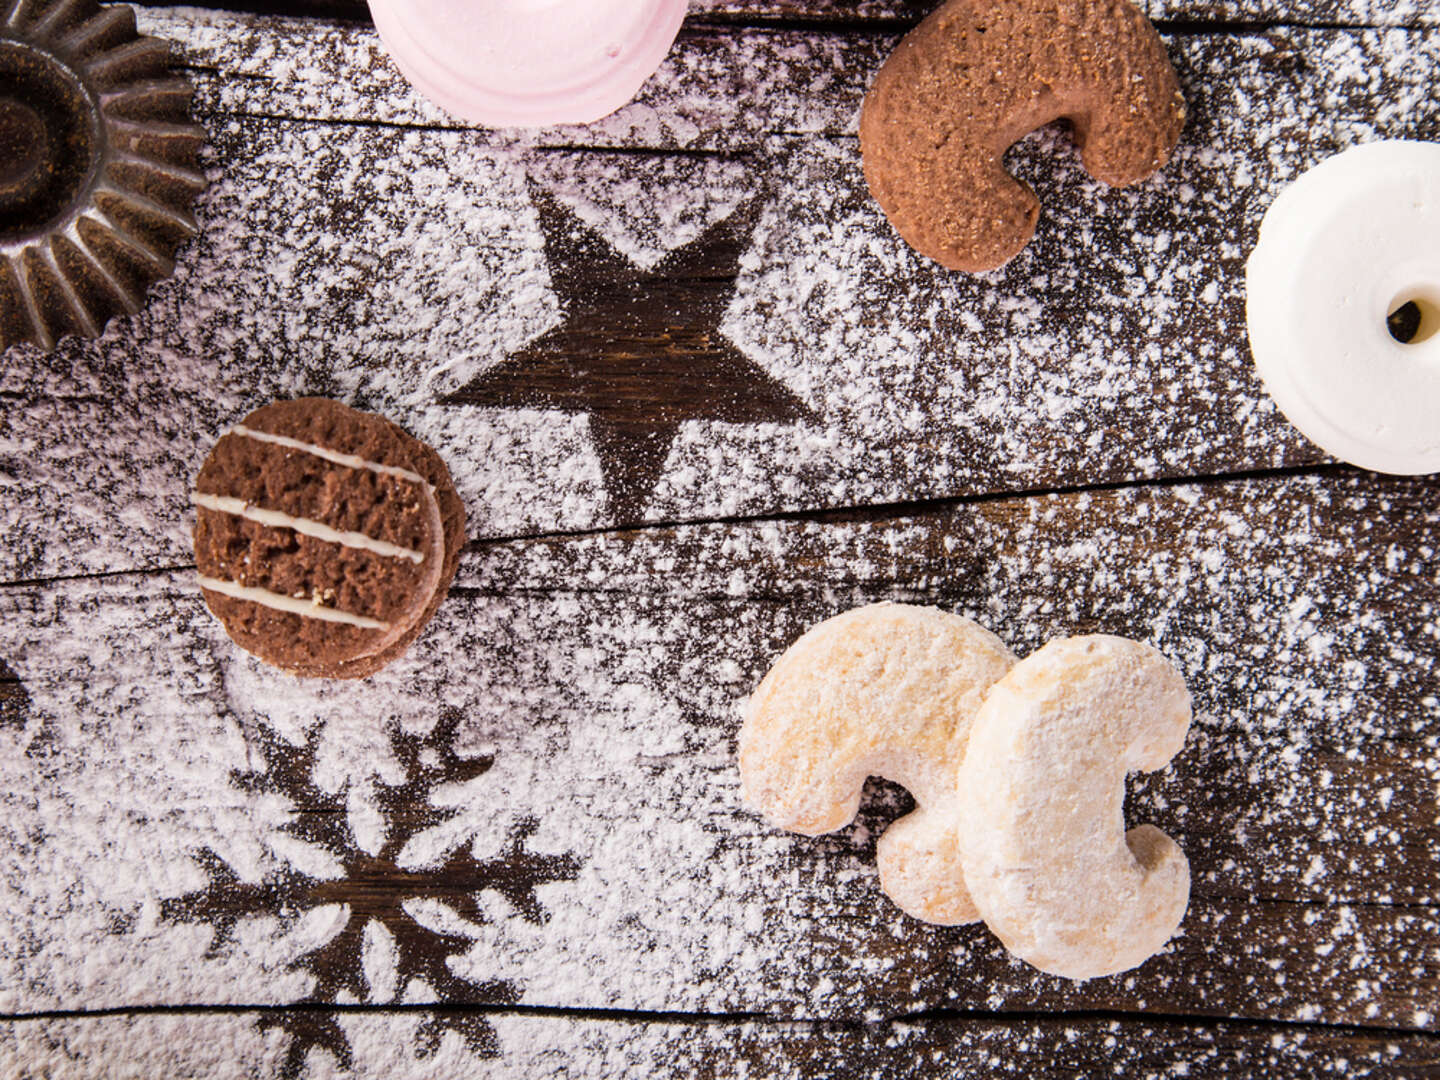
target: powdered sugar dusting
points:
(718, 88)
(388, 266)
(230, 1048)
(1351, 12)
(605, 676)
(645, 209)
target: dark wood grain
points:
(692, 311)
(1201, 16)
(14, 701)
(1298, 608)
(565, 1045)
(1194, 15)
(1112, 350)
(639, 352)
(729, 86)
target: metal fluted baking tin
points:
(99, 167)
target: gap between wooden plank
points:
(694, 153)
(747, 153)
(879, 25)
(640, 1016)
(884, 26)
(860, 514)
(840, 515)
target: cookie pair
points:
(1017, 769)
(325, 537)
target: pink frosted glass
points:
(506, 63)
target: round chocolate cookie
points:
(325, 537)
(973, 78)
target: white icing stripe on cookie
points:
(349, 460)
(295, 604)
(226, 504)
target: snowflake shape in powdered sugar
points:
(382, 945)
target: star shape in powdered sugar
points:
(640, 351)
(375, 889)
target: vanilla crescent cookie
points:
(887, 690)
(325, 537)
(1042, 793)
(1351, 243)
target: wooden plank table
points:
(697, 397)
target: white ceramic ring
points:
(1347, 244)
(528, 63)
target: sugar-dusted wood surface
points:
(1192, 15)
(355, 243)
(697, 397)
(1197, 15)
(234, 1046)
(539, 807)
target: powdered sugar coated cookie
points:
(886, 690)
(1042, 793)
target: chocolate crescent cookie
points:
(325, 537)
(976, 76)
